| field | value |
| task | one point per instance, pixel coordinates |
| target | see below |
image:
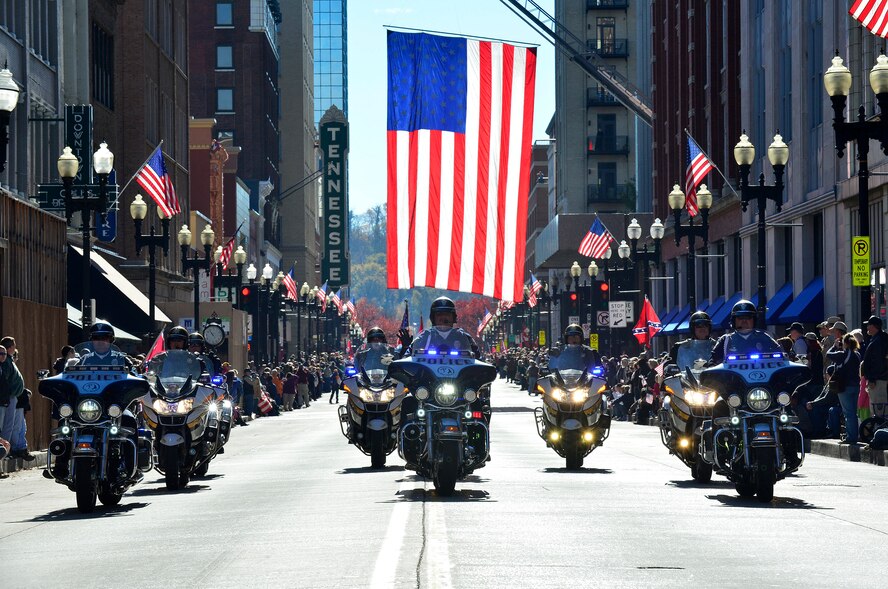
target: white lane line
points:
(386, 567)
(437, 555)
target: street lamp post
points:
(207, 236)
(9, 95)
(138, 211)
(264, 290)
(228, 281)
(303, 293)
(778, 154)
(103, 163)
(677, 202)
(647, 258)
(837, 81)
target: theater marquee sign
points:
(334, 148)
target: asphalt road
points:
(291, 504)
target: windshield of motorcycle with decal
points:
(174, 367)
(374, 361)
(571, 364)
(694, 354)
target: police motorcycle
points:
(757, 443)
(204, 346)
(446, 436)
(371, 416)
(575, 417)
(183, 408)
(97, 449)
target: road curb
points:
(8, 465)
(858, 453)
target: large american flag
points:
(698, 167)
(460, 120)
(153, 177)
(290, 284)
(597, 241)
(872, 14)
(535, 287)
(322, 297)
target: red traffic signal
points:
(246, 291)
(573, 296)
(604, 287)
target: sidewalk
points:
(858, 453)
(8, 465)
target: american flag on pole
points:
(597, 241)
(535, 287)
(153, 177)
(228, 248)
(872, 14)
(460, 120)
(336, 297)
(350, 305)
(290, 283)
(660, 370)
(322, 297)
(405, 320)
(698, 167)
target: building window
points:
(225, 99)
(720, 268)
(738, 263)
(151, 111)
(151, 18)
(224, 14)
(44, 31)
(224, 57)
(225, 135)
(103, 67)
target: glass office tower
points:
(330, 57)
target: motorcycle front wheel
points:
(84, 488)
(701, 472)
(109, 499)
(447, 471)
(201, 471)
(573, 454)
(377, 450)
(171, 470)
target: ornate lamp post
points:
(778, 154)
(230, 281)
(207, 236)
(138, 211)
(677, 201)
(9, 95)
(303, 293)
(837, 81)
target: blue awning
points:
(676, 321)
(808, 306)
(667, 317)
(722, 319)
(778, 303)
(685, 326)
(715, 306)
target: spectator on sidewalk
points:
(302, 394)
(875, 365)
(290, 391)
(251, 388)
(14, 427)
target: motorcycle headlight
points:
(470, 395)
(387, 396)
(701, 399)
(446, 394)
(558, 395)
(366, 395)
(422, 393)
(783, 398)
(66, 411)
(89, 410)
(758, 399)
(735, 401)
(579, 396)
(181, 407)
(114, 411)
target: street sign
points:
(586, 328)
(542, 338)
(602, 318)
(593, 341)
(621, 313)
(860, 260)
(79, 137)
(573, 319)
(51, 197)
(334, 150)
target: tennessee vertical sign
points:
(334, 149)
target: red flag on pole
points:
(648, 324)
(156, 349)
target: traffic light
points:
(248, 298)
(603, 294)
(574, 304)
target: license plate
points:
(172, 407)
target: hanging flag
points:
(597, 241)
(322, 297)
(460, 120)
(153, 177)
(698, 167)
(480, 327)
(156, 348)
(872, 14)
(290, 284)
(535, 287)
(350, 305)
(405, 320)
(228, 248)
(648, 324)
(336, 297)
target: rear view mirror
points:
(43, 373)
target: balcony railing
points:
(608, 193)
(600, 97)
(606, 4)
(609, 47)
(608, 145)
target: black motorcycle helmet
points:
(442, 305)
(573, 329)
(376, 336)
(700, 318)
(101, 329)
(742, 308)
(177, 334)
(195, 339)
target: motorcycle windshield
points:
(373, 362)
(694, 354)
(175, 369)
(570, 364)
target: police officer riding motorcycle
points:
(575, 417)
(685, 406)
(751, 438)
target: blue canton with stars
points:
(426, 82)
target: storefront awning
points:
(117, 299)
(75, 318)
(715, 307)
(778, 303)
(676, 321)
(722, 318)
(667, 315)
(808, 306)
